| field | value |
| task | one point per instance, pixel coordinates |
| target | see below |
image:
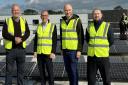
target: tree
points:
(54, 12)
(30, 12)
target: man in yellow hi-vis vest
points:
(99, 37)
(15, 32)
(45, 47)
(72, 39)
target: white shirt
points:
(44, 25)
(17, 19)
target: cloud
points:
(77, 4)
(108, 4)
(58, 4)
(32, 1)
(2, 6)
(45, 1)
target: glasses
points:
(44, 15)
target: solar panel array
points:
(119, 71)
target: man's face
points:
(68, 11)
(97, 15)
(16, 11)
(44, 16)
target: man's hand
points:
(78, 54)
(52, 56)
(18, 40)
(35, 55)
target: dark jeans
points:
(93, 64)
(70, 62)
(45, 63)
(18, 55)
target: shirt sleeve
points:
(54, 40)
(87, 37)
(60, 36)
(6, 34)
(80, 33)
(110, 36)
(35, 42)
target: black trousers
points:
(45, 64)
(93, 64)
(18, 55)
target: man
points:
(124, 19)
(123, 26)
(99, 37)
(72, 39)
(45, 47)
(15, 32)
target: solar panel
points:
(119, 71)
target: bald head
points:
(15, 10)
(68, 10)
(67, 6)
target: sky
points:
(58, 4)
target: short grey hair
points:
(13, 5)
(44, 11)
(96, 9)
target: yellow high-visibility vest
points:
(44, 42)
(69, 34)
(9, 21)
(98, 43)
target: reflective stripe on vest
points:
(9, 21)
(69, 34)
(44, 42)
(98, 42)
